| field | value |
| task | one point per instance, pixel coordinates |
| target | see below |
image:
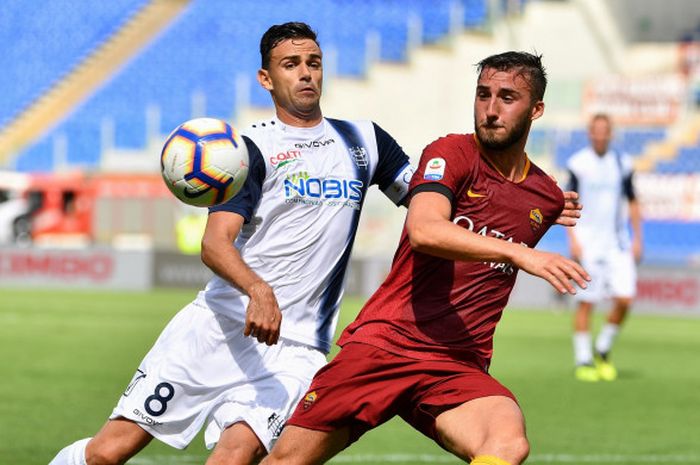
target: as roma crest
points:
(535, 219)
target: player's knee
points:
(514, 450)
(236, 455)
(520, 449)
(280, 455)
(274, 458)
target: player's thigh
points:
(491, 425)
(360, 389)
(264, 403)
(200, 362)
(117, 441)
(303, 446)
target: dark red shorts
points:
(364, 386)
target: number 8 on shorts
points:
(157, 403)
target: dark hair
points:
(280, 32)
(529, 65)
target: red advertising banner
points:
(92, 268)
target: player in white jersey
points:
(238, 358)
(601, 242)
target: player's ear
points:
(264, 79)
(537, 110)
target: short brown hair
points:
(528, 64)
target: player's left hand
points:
(559, 271)
(572, 210)
(263, 316)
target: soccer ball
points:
(204, 162)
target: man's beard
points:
(492, 142)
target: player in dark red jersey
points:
(422, 344)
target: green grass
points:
(67, 356)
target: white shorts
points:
(202, 369)
(613, 274)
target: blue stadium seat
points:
(686, 161)
(435, 16)
(634, 141)
(475, 13)
(38, 157)
(671, 241)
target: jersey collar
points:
(526, 169)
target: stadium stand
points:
(28, 69)
(665, 241)
(632, 141)
(205, 63)
(687, 161)
(180, 67)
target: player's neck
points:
(512, 168)
(510, 162)
(300, 120)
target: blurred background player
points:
(601, 243)
(421, 347)
(279, 249)
(189, 229)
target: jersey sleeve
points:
(247, 199)
(394, 171)
(444, 167)
(627, 167)
(572, 183)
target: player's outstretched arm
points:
(572, 210)
(263, 316)
(430, 231)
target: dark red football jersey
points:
(437, 309)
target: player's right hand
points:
(263, 316)
(559, 271)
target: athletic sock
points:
(488, 460)
(72, 455)
(583, 353)
(606, 338)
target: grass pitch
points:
(67, 356)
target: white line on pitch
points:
(593, 459)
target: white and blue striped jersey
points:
(301, 203)
(604, 185)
